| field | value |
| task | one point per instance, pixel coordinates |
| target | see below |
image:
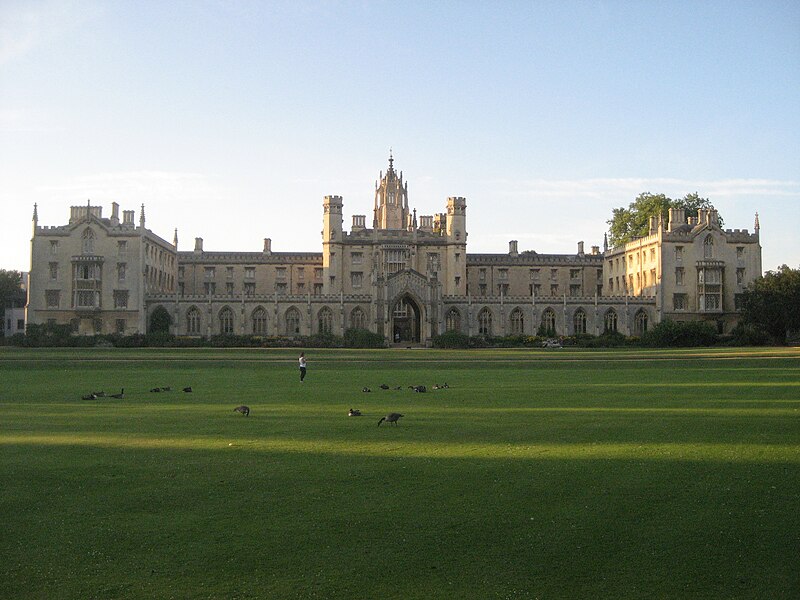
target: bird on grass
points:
(120, 395)
(187, 389)
(89, 397)
(390, 418)
(384, 386)
(365, 389)
(354, 412)
(245, 410)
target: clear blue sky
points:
(232, 120)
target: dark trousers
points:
(302, 373)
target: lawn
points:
(535, 474)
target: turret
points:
(391, 201)
(332, 234)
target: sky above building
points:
(231, 121)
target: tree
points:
(11, 292)
(160, 320)
(772, 303)
(634, 221)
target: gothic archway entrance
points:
(405, 320)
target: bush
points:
(670, 333)
(451, 340)
(363, 338)
(749, 335)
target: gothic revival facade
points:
(406, 278)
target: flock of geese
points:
(101, 394)
(245, 410)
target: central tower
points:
(391, 200)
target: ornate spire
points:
(35, 214)
(391, 161)
(141, 218)
(757, 224)
(175, 239)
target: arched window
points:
(610, 321)
(193, 321)
(259, 321)
(453, 321)
(485, 322)
(358, 320)
(226, 321)
(579, 321)
(325, 320)
(708, 247)
(292, 321)
(517, 322)
(549, 322)
(88, 241)
(640, 322)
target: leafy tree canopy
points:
(772, 303)
(634, 221)
(11, 292)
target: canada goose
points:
(384, 386)
(418, 388)
(155, 390)
(100, 394)
(366, 389)
(245, 410)
(390, 418)
(187, 389)
(89, 397)
(169, 389)
(120, 395)
(354, 412)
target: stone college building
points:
(405, 277)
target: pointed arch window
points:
(358, 320)
(640, 323)
(260, 321)
(549, 322)
(517, 322)
(226, 321)
(292, 321)
(325, 320)
(193, 321)
(485, 322)
(579, 321)
(610, 321)
(453, 321)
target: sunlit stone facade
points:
(406, 277)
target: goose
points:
(384, 386)
(100, 394)
(245, 410)
(390, 418)
(366, 389)
(187, 389)
(354, 412)
(155, 390)
(89, 397)
(120, 395)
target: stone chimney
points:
(127, 217)
(580, 249)
(198, 245)
(267, 246)
(114, 214)
(595, 250)
(512, 248)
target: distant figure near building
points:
(302, 366)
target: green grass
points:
(537, 474)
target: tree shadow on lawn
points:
(241, 522)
